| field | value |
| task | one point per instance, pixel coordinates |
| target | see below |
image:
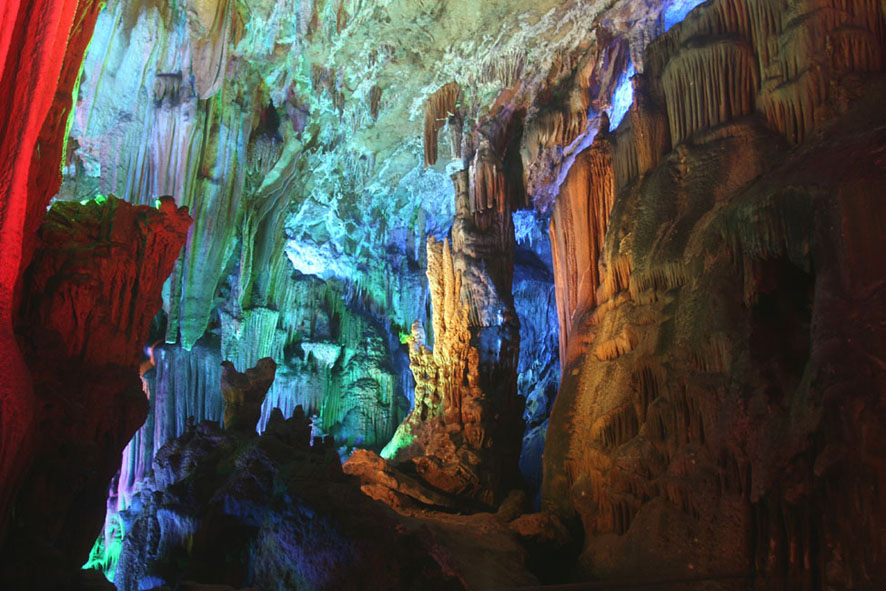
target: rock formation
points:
(70, 396)
(715, 390)
(89, 297)
(463, 434)
(245, 392)
(394, 205)
(38, 55)
(275, 512)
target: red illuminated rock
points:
(89, 297)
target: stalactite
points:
(625, 162)
(660, 278)
(708, 83)
(615, 277)
(489, 198)
(713, 356)
(214, 29)
(578, 230)
(648, 382)
(502, 69)
(781, 55)
(616, 427)
(438, 108)
(649, 123)
(692, 389)
(611, 349)
(552, 128)
(375, 94)
(167, 88)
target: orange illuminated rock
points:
(722, 381)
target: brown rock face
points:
(89, 297)
(723, 401)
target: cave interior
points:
(442, 295)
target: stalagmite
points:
(245, 392)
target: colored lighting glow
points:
(106, 551)
(622, 98)
(99, 200)
(677, 11)
(400, 440)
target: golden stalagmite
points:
(444, 434)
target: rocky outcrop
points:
(722, 387)
(97, 276)
(275, 512)
(244, 393)
(69, 400)
(90, 295)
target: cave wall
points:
(722, 395)
(81, 284)
(32, 50)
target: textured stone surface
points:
(302, 156)
(720, 389)
(274, 512)
(89, 297)
(716, 256)
(245, 392)
(41, 46)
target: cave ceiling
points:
(174, 99)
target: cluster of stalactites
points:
(487, 187)
(439, 107)
(578, 229)
(734, 59)
(265, 142)
(772, 56)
